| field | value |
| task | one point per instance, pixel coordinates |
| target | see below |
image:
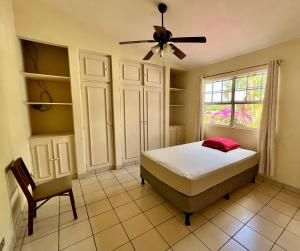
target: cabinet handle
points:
(145, 122)
(51, 159)
(109, 123)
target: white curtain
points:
(267, 134)
(199, 126)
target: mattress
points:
(192, 168)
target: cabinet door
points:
(173, 135)
(130, 73)
(43, 159)
(94, 67)
(98, 125)
(153, 118)
(180, 135)
(63, 155)
(132, 122)
(153, 76)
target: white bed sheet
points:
(192, 168)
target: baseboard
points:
(94, 171)
(12, 244)
(103, 169)
(17, 227)
(269, 180)
(130, 163)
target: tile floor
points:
(116, 213)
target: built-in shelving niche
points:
(177, 92)
(47, 79)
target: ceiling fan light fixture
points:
(167, 49)
(155, 49)
(161, 53)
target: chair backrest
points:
(23, 177)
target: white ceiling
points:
(232, 27)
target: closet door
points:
(94, 67)
(98, 125)
(43, 159)
(63, 155)
(153, 75)
(131, 73)
(153, 118)
(132, 122)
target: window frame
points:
(232, 103)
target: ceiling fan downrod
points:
(162, 9)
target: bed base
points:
(191, 204)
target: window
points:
(235, 101)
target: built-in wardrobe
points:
(95, 74)
(142, 108)
(49, 101)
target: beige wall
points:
(35, 20)
(287, 157)
(14, 126)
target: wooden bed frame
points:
(191, 204)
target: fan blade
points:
(137, 42)
(188, 39)
(149, 55)
(177, 52)
(160, 31)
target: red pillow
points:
(221, 144)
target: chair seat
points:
(52, 188)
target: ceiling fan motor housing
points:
(162, 39)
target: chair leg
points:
(30, 218)
(73, 204)
(34, 210)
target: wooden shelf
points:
(176, 89)
(37, 76)
(45, 103)
(176, 105)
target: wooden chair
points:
(42, 192)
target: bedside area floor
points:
(115, 212)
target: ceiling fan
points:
(163, 37)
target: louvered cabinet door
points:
(153, 76)
(94, 67)
(43, 159)
(173, 135)
(97, 125)
(63, 155)
(153, 118)
(180, 135)
(132, 122)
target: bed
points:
(192, 176)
